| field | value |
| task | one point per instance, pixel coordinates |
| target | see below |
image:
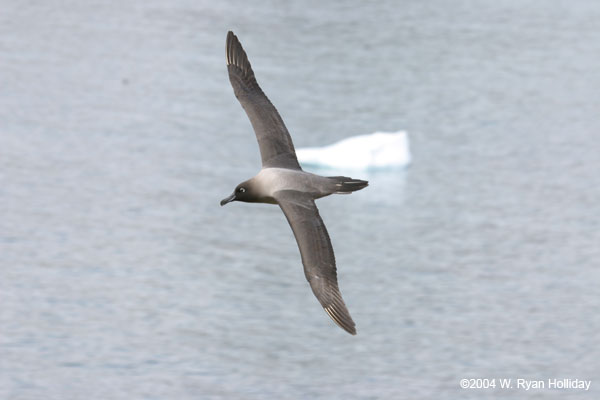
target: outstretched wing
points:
(317, 254)
(274, 141)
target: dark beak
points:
(228, 199)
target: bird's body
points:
(282, 181)
(272, 180)
(269, 181)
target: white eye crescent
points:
(242, 190)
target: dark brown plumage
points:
(274, 140)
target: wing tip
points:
(228, 46)
(341, 317)
(235, 53)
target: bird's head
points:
(243, 192)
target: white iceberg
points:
(373, 151)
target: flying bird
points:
(282, 181)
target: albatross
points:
(282, 181)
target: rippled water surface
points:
(122, 278)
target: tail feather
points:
(346, 185)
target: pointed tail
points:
(346, 185)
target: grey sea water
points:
(122, 278)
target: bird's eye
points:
(242, 190)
